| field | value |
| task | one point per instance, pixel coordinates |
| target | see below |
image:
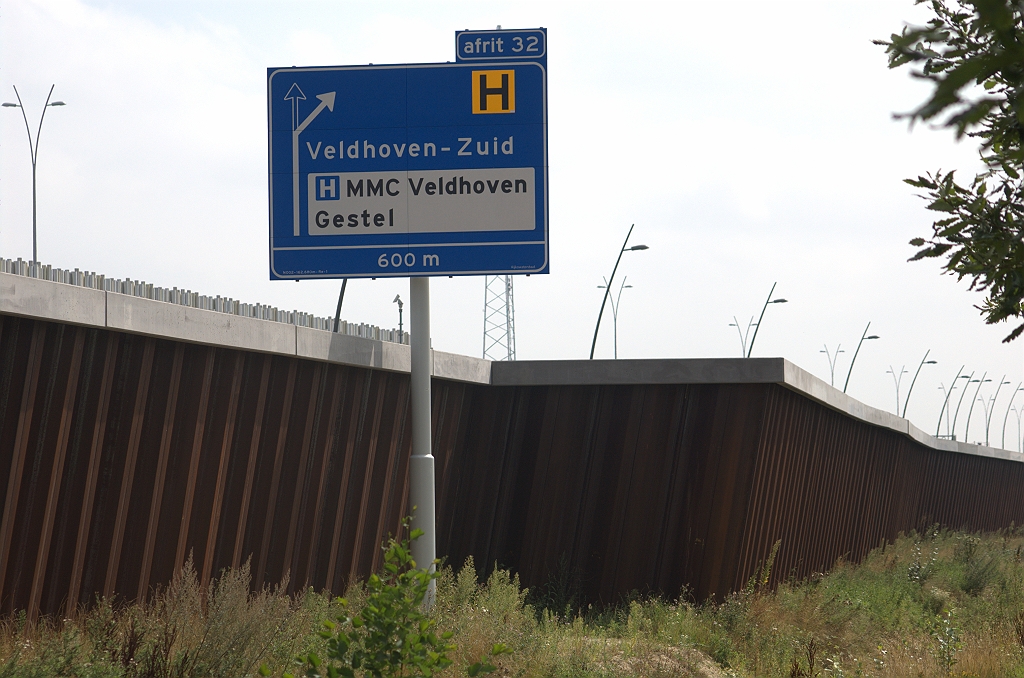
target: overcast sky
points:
(750, 143)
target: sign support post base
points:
(421, 463)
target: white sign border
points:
(405, 274)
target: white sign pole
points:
(421, 464)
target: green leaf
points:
(391, 636)
(264, 670)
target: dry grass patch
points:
(935, 604)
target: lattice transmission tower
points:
(499, 318)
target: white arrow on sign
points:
(326, 101)
(294, 95)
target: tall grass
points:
(939, 603)
(222, 631)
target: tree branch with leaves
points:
(972, 53)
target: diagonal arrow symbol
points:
(326, 101)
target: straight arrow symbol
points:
(326, 101)
(294, 95)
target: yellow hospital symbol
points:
(494, 91)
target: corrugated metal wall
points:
(123, 456)
(653, 487)
(126, 455)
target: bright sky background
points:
(750, 142)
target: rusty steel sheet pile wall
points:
(829, 486)
(603, 490)
(125, 455)
(610, 488)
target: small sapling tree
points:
(391, 636)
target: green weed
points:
(936, 604)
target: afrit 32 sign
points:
(409, 170)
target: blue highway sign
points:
(524, 45)
(408, 170)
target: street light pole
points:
(967, 428)
(615, 309)
(607, 291)
(743, 334)
(896, 380)
(943, 410)
(988, 414)
(341, 298)
(945, 403)
(769, 300)
(33, 149)
(862, 338)
(1003, 443)
(956, 413)
(832, 362)
(1017, 413)
(984, 407)
(924, 361)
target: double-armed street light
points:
(1018, 414)
(956, 413)
(743, 334)
(924, 361)
(607, 291)
(832, 362)
(864, 337)
(985, 412)
(745, 350)
(945, 404)
(615, 309)
(990, 409)
(896, 380)
(979, 382)
(33, 148)
(945, 407)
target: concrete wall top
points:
(656, 371)
(722, 371)
(807, 384)
(171, 321)
(45, 300)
